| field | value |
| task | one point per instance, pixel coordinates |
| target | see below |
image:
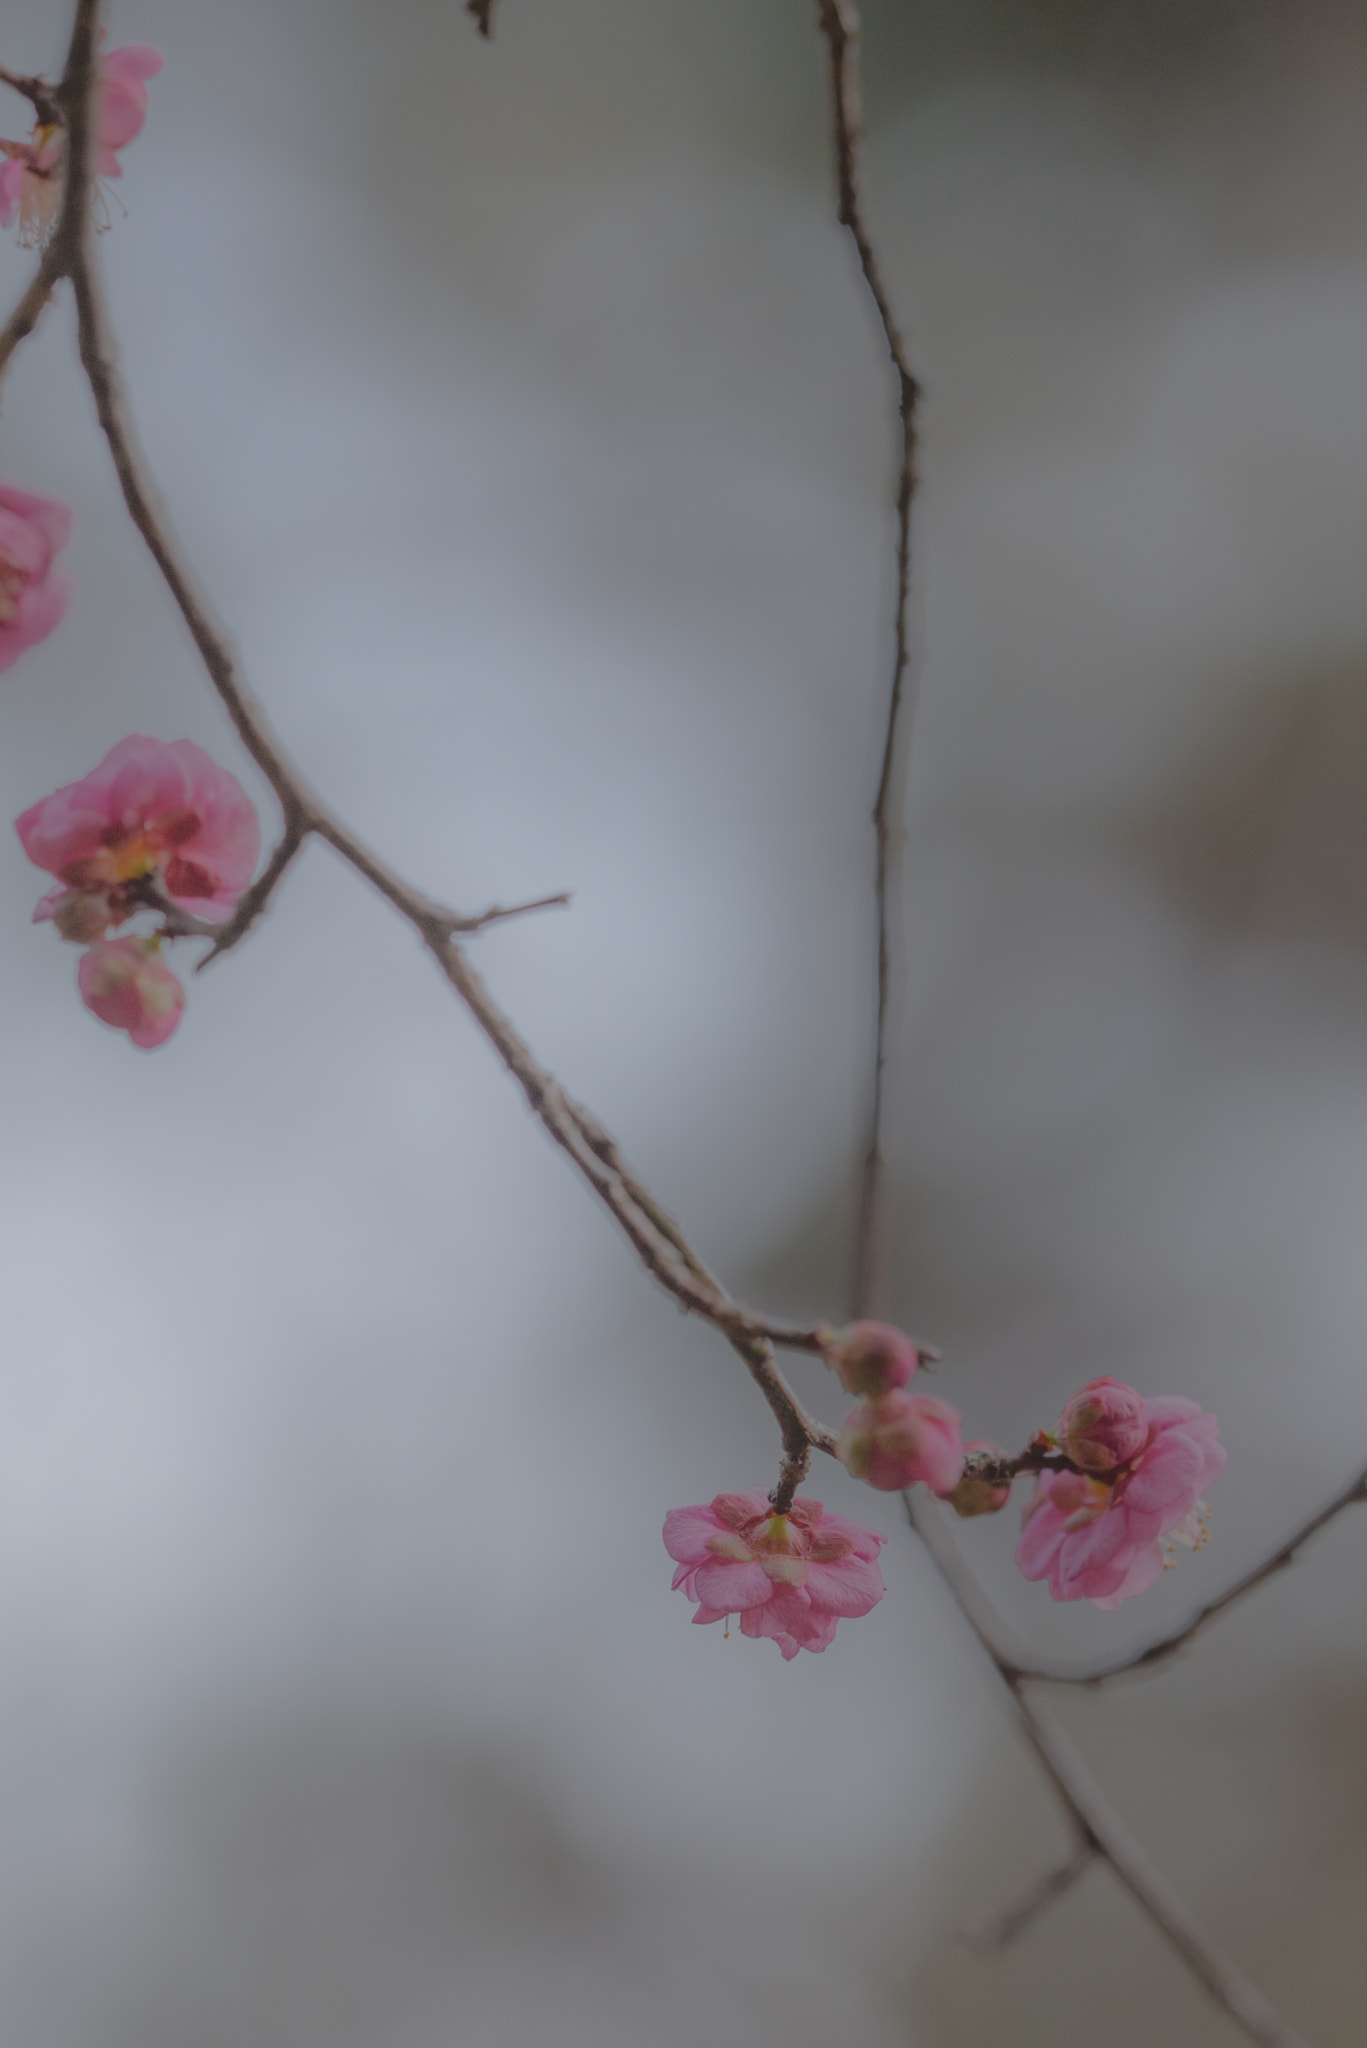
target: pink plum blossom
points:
(1105, 1539)
(790, 1577)
(154, 812)
(127, 985)
(1103, 1426)
(870, 1358)
(33, 531)
(900, 1439)
(974, 1494)
(31, 177)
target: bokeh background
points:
(522, 411)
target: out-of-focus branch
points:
(839, 22)
(1095, 1823)
(999, 1930)
(1098, 1830)
(482, 13)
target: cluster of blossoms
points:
(157, 829)
(1119, 1485)
(31, 176)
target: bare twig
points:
(1100, 1833)
(999, 1930)
(254, 900)
(482, 13)
(1146, 1885)
(1089, 1812)
(28, 311)
(839, 22)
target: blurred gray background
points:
(523, 414)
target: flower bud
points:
(128, 986)
(870, 1358)
(975, 1495)
(82, 915)
(901, 1438)
(1103, 1426)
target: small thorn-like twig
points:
(254, 900)
(481, 13)
(999, 1930)
(45, 99)
(497, 914)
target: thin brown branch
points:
(29, 309)
(839, 23)
(1146, 1885)
(1087, 1808)
(253, 902)
(657, 1240)
(999, 1930)
(497, 914)
(482, 14)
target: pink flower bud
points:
(1104, 1426)
(127, 985)
(901, 1438)
(870, 1358)
(975, 1495)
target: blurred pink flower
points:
(127, 985)
(1107, 1539)
(151, 809)
(123, 102)
(790, 1577)
(31, 178)
(870, 1358)
(32, 597)
(901, 1439)
(1103, 1426)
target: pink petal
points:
(687, 1532)
(863, 1542)
(1144, 1570)
(733, 1587)
(11, 190)
(854, 1586)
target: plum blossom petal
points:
(790, 1577)
(123, 102)
(33, 597)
